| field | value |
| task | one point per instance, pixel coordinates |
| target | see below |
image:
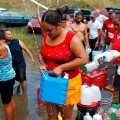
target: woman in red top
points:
(115, 45)
(61, 52)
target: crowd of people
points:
(62, 51)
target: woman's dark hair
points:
(52, 17)
(2, 34)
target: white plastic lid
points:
(66, 76)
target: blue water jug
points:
(53, 88)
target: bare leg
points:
(9, 111)
(52, 111)
(24, 85)
(66, 112)
(111, 87)
(13, 105)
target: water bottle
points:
(97, 117)
(100, 111)
(86, 96)
(105, 56)
(106, 116)
(87, 116)
(113, 115)
(90, 66)
(118, 113)
(88, 50)
(96, 94)
(83, 86)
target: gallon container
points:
(83, 86)
(53, 88)
(106, 56)
(95, 52)
(90, 66)
(86, 96)
(88, 50)
(114, 52)
(87, 116)
(97, 117)
(96, 94)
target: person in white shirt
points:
(94, 28)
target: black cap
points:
(110, 11)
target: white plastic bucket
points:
(95, 52)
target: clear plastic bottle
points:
(87, 117)
(106, 116)
(113, 115)
(100, 111)
(117, 113)
(109, 109)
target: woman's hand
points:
(57, 71)
(116, 58)
(41, 68)
(33, 61)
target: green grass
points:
(22, 34)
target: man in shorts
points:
(16, 46)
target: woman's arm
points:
(38, 14)
(3, 52)
(23, 46)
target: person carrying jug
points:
(61, 52)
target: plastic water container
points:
(96, 52)
(96, 94)
(114, 52)
(107, 56)
(53, 88)
(90, 66)
(88, 50)
(86, 96)
(97, 117)
(83, 86)
(87, 116)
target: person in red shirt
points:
(61, 52)
(108, 28)
(115, 45)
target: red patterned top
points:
(59, 54)
(116, 44)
